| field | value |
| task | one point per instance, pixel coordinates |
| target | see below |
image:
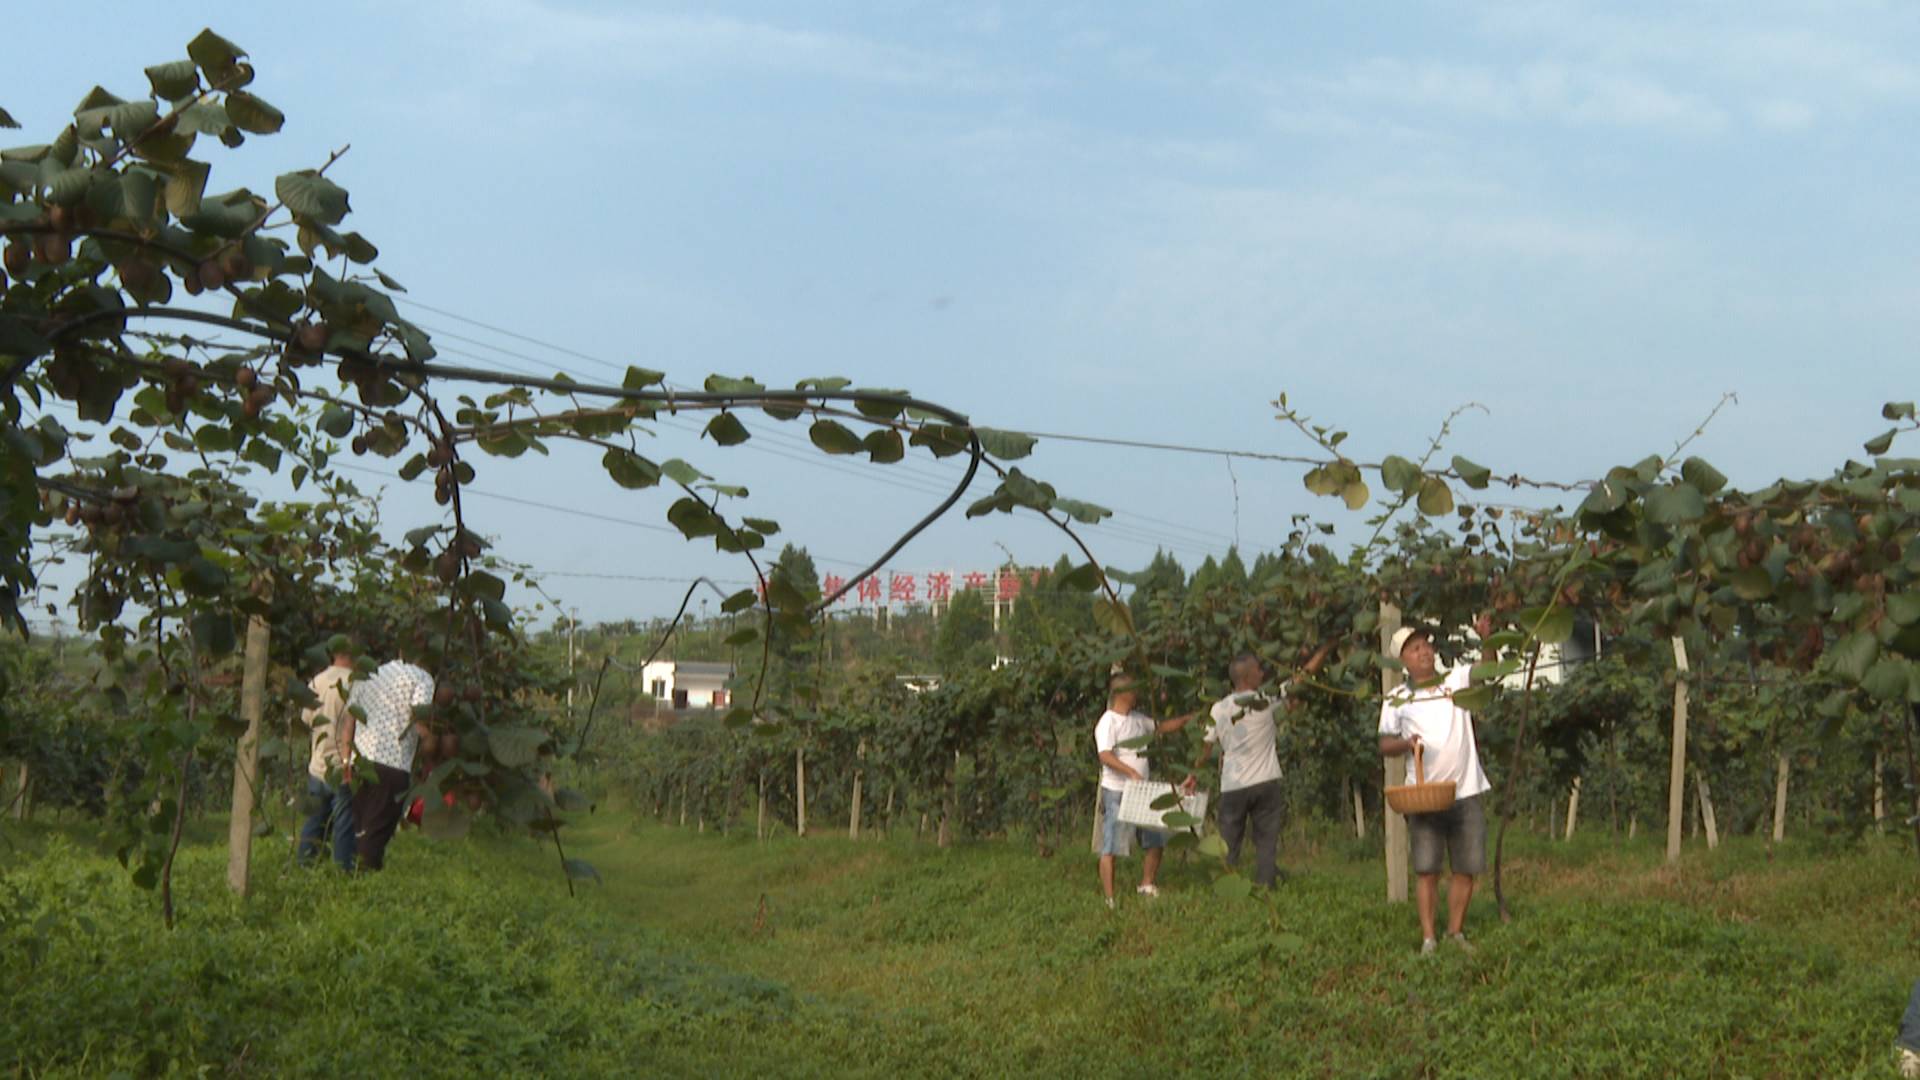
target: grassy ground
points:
(706, 954)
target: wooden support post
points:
(246, 762)
(1677, 771)
(760, 818)
(1912, 720)
(1780, 801)
(853, 817)
(1706, 810)
(950, 806)
(1398, 853)
(800, 791)
(1573, 807)
(1879, 794)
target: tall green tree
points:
(965, 640)
(1163, 580)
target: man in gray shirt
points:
(1250, 792)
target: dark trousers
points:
(1910, 1025)
(1264, 807)
(377, 809)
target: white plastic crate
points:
(1136, 806)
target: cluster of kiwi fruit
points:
(446, 565)
(53, 247)
(114, 510)
(229, 263)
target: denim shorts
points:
(1113, 839)
(1458, 833)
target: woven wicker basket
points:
(1420, 797)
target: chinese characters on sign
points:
(888, 587)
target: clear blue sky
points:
(1141, 221)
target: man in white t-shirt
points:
(1119, 763)
(329, 799)
(1250, 792)
(1422, 714)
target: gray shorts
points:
(1459, 832)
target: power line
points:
(1117, 530)
(893, 478)
(610, 365)
(599, 576)
(1137, 444)
(470, 490)
(1252, 455)
(1169, 539)
(509, 333)
(466, 490)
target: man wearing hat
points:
(1121, 726)
(1422, 713)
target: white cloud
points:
(1426, 85)
(536, 34)
(1237, 279)
(1541, 91)
(1780, 115)
(1673, 71)
(1834, 58)
(1635, 102)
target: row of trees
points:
(1754, 667)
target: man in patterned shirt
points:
(383, 729)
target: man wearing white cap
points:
(1422, 713)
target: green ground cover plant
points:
(702, 955)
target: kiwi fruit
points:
(312, 337)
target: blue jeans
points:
(330, 808)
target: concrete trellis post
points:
(1398, 853)
(246, 763)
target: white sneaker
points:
(1148, 891)
(1909, 1064)
(1461, 940)
(1429, 947)
(1109, 903)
